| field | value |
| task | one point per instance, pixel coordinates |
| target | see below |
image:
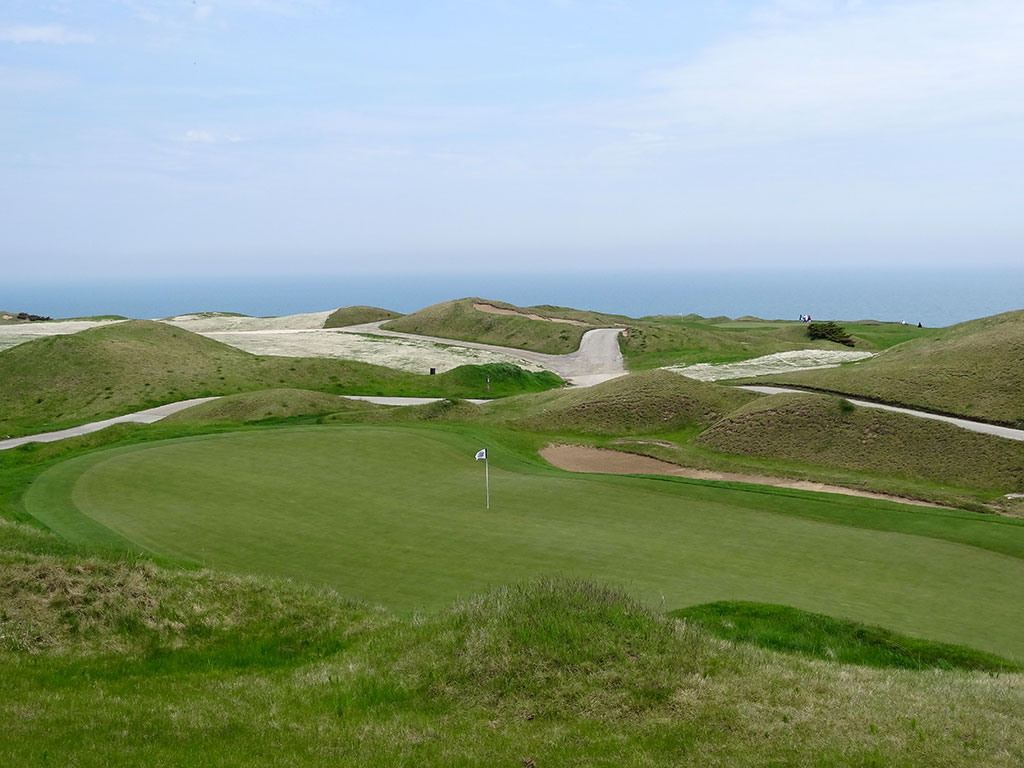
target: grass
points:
(129, 663)
(648, 402)
(459, 320)
(972, 369)
(305, 503)
(340, 318)
(782, 628)
(827, 431)
(61, 381)
(259, 406)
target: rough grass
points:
(788, 629)
(648, 402)
(973, 369)
(459, 320)
(357, 315)
(265, 404)
(140, 665)
(828, 431)
(59, 381)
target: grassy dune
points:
(114, 661)
(459, 320)
(265, 404)
(64, 380)
(648, 402)
(974, 369)
(827, 431)
(357, 315)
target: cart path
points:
(152, 415)
(598, 358)
(974, 426)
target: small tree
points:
(830, 332)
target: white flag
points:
(481, 454)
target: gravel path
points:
(147, 416)
(598, 358)
(974, 426)
(151, 415)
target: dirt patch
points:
(578, 458)
(493, 310)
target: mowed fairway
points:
(396, 516)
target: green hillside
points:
(640, 403)
(264, 404)
(59, 381)
(827, 431)
(357, 315)
(974, 369)
(656, 341)
(460, 320)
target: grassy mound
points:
(64, 380)
(155, 666)
(658, 341)
(645, 402)
(973, 369)
(357, 315)
(828, 431)
(265, 404)
(783, 628)
(460, 320)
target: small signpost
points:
(482, 454)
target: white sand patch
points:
(780, 362)
(214, 323)
(403, 354)
(19, 333)
(490, 309)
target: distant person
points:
(919, 325)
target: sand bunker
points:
(780, 362)
(215, 323)
(493, 310)
(578, 458)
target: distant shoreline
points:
(934, 298)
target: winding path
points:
(598, 358)
(974, 426)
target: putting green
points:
(396, 516)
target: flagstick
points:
(487, 483)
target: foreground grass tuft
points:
(784, 628)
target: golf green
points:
(396, 516)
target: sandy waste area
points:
(780, 362)
(19, 333)
(404, 354)
(578, 458)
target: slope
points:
(825, 431)
(972, 369)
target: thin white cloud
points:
(48, 34)
(815, 67)
(196, 136)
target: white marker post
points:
(482, 454)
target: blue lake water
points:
(934, 298)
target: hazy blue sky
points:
(148, 137)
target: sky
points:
(176, 137)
